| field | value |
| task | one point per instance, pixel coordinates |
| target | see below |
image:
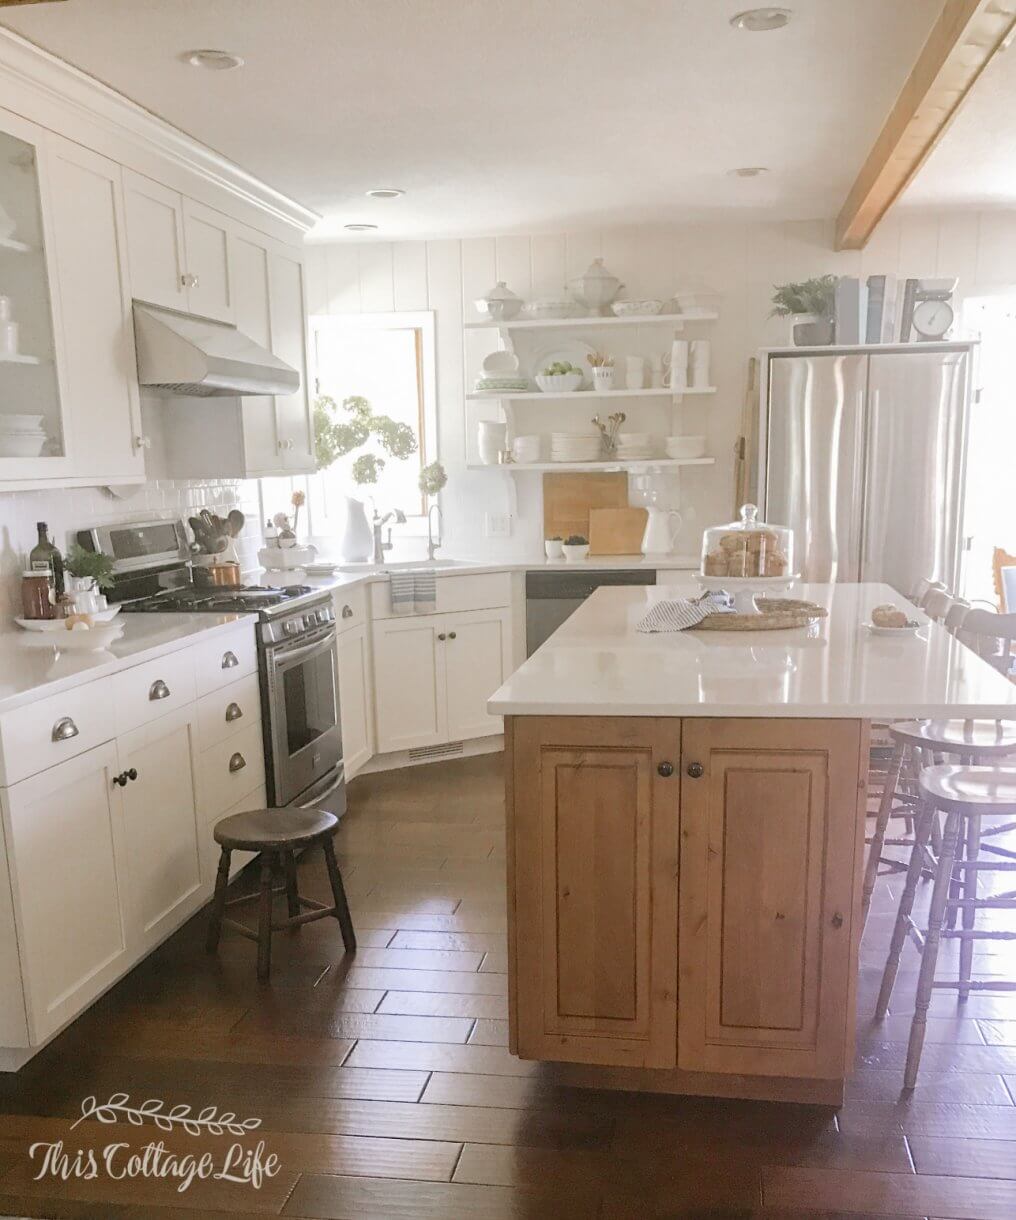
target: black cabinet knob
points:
(666, 769)
(441, 636)
(120, 780)
(132, 773)
(451, 635)
(696, 770)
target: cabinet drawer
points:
(230, 771)
(485, 591)
(351, 607)
(225, 658)
(228, 711)
(48, 731)
(151, 690)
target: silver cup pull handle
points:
(233, 712)
(230, 660)
(158, 690)
(65, 729)
(237, 763)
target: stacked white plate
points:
(635, 446)
(527, 449)
(22, 435)
(503, 385)
(574, 447)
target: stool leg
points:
(881, 822)
(892, 962)
(339, 896)
(265, 918)
(218, 902)
(929, 956)
(292, 897)
(969, 914)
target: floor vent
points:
(451, 749)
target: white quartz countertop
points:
(597, 664)
(34, 665)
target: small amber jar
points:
(38, 594)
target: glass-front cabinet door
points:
(32, 429)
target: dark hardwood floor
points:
(385, 1090)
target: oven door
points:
(303, 715)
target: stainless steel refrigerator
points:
(862, 451)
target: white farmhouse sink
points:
(410, 565)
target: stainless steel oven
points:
(303, 738)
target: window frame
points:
(423, 323)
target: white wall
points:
(741, 261)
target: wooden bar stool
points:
(917, 743)
(276, 835)
(965, 795)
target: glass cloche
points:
(748, 548)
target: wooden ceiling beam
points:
(963, 41)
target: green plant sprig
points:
(814, 296)
(82, 564)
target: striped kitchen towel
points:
(413, 592)
(681, 613)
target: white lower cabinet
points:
(433, 676)
(66, 851)
(356, 703)
(161, 826)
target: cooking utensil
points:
(235, 522)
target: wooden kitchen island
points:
(685, 820)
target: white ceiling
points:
(512, 115)
(975, 163)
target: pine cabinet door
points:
(289, 343)
(477, 654)
(409, 683)
(161, 824)
(593, 818)
(356, 706)
(155, 242)
(64, 832)
(207, 239)
(90, 257)
(769, 836)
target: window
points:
(388, 359)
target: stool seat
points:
(981, 737)
(988, 790)
(275, 829)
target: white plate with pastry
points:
(911, 628)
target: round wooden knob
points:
(696, 770)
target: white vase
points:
(603, 377)
(357, 543)
(491, 441)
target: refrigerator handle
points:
(867, 503)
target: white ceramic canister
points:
(603, 377)
(635, 373)
(679, 365)
(491, 441)
(699, 364)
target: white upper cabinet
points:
(155, 242)
(90, 258)
(179, 250)
(34, 444)
(289, 343)
(207, 238)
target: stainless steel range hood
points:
(180, 353)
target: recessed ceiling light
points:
(358, 228)
(214, 61)
(756, 20)
(750, 171)
(385, 192)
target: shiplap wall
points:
(741, 261)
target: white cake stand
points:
(746, 588)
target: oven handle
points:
(280, 657)
(339, 779)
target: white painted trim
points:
(54, 80)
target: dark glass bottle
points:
(44, 556)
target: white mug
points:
(635, 373)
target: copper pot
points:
(220, 575)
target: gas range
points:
(247, 599)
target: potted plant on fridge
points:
(809, 304)
(337, 435)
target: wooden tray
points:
(778, 614)
(616, 531)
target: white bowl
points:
(501, 364)
(686, 446)
(498, 309)
(636, 309)
(22, 444)
(550, 309)
(559, 383)
(21, 423)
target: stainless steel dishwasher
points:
(551, 597)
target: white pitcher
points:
(661, 531)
